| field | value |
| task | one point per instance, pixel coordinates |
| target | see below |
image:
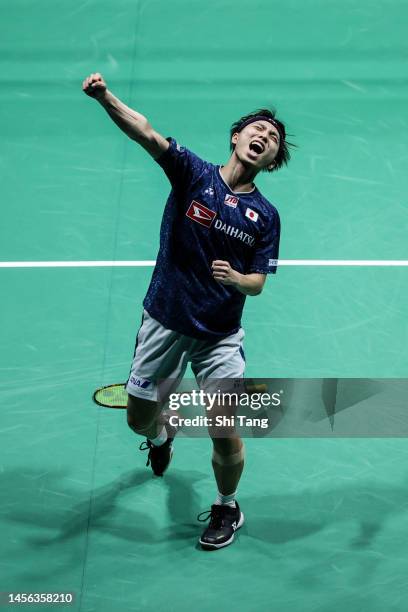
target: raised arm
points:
(135, 125)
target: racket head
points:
(111, 396)
(115, 396)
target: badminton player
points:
(219, 239)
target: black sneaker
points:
(159, 457)
(224, 521)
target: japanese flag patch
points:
(251, 214)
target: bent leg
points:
(143, 416)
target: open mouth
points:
(257, 147)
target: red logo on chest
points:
(231, 200)
(201, 214)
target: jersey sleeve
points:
(182, 166)
(265, 259)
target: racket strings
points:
(112, 396)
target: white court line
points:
(150, 263)
(76, 264)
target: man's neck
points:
(237, 177)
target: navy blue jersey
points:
(205, 220)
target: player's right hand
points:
(94, 85)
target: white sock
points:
(225, 500)
(160, 439)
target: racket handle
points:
(261, 388)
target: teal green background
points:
(326, 520)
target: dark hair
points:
(283, 155)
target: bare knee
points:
(227, 446)
(141, 413)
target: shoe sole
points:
(207, 546)
(167, 466)
(172, 431)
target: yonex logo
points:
(201, 214)
(234, 525)
(142, 383)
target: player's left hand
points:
(223, 273)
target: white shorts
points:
(161, 353)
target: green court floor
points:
(326, 519)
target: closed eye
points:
(272, 135)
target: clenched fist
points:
(223, 273)
(94, 86)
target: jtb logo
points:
(231, 200)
